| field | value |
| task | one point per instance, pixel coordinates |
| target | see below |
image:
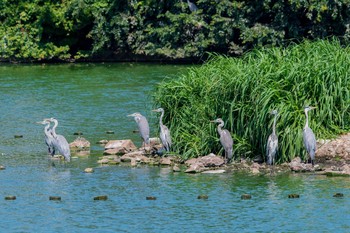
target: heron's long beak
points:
(311, 107)
(155, 110)
(40, 122)
(130, 115)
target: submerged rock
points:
(101, 198)
(89, 170)
(202, 196)
(55, 198)
(246, 196)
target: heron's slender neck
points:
(307, 119)
(274, 124)
(54, 128)
(220, 127)
(46, 130)
(161, 118)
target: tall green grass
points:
(242, 91)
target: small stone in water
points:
(338, 195)
(202, 196)
(89, 170)
(54, 198)
(246, 196)
(10, 198)
(293, 195)
(101, 198)
(18, 136)
(102, 142)
(151, 198)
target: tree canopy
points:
(161, 29)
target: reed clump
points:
(242, 91)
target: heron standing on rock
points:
(48, 137)
(272, 142)
(309, 136)
(164, 131)
(59, 142)
(143, 126)
(225, 139)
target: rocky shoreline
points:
(332, 159)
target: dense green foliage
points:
(163, 29)
(243, 91)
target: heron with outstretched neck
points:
(272, 142)
(59, 142)
(48, 137)
(164, 133)
(143, 127)
(309, 136)
(225, 139)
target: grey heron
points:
(272, 142)
(225, 139)
(60, 143)
(309, 136)
(143, 126)
(164, 131)
(48, 137)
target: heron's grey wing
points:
(144, 128)
(165, 137)
(63, 147)
(309, 141)
(271, 147)
(226, 139)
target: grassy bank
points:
(243, 91)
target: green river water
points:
(95, 98)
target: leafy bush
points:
(242, 91)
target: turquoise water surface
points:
(95, 98)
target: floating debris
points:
(202, 196)
(78, 133)
(18, 136)
(109, 132)
(10, 198)
(2, 167)
(54, 198)
(293, 195)
(246, 196)
(101, 198)
(151, 198)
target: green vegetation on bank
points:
(85, 29)
(242, 91)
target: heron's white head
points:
(308, 108)
(136, 114)
(274, 112)
(219, 120)
(44, 122)
(158, 110)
